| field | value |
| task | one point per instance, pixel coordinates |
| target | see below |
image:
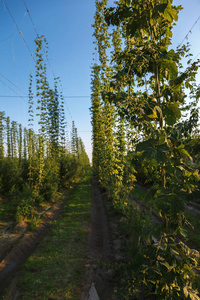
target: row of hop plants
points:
(34, 166)
(140, 132)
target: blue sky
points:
(187, 17)
(67, 27)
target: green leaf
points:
(128, 2)
(193, 295)
(161, 7)
(183, 232)
(160, 258)
(165, 264)
(170, 14)
(172, 113)
(162, 138)
(183, 152)
(145, 145)
(153, 115)
(171, 66)
(161, 152)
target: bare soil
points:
(101, 251)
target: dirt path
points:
(99, 277)
(99, 283)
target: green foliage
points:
(8, 137)
(146, 89)
(167, 269)
(25, 207)
(50, 181)
(1, 135)
(53, 120)
(37, 165)
(157, 266)
(10, 175)
(67, 171)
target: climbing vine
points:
(143, 99)
(35, 165)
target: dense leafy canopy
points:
(138, 103)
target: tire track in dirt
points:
(99, 251)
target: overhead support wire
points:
(22, 97)
(18, 29)
(11, 35)
(34, 27)
(64, 97)
(14, 86)
(54, 76)
(196, 56)
(186, 37)
(68, 110)
(19, 96)
(20, 32)
(189, 32)
(30, 17)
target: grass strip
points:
(56, 269)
